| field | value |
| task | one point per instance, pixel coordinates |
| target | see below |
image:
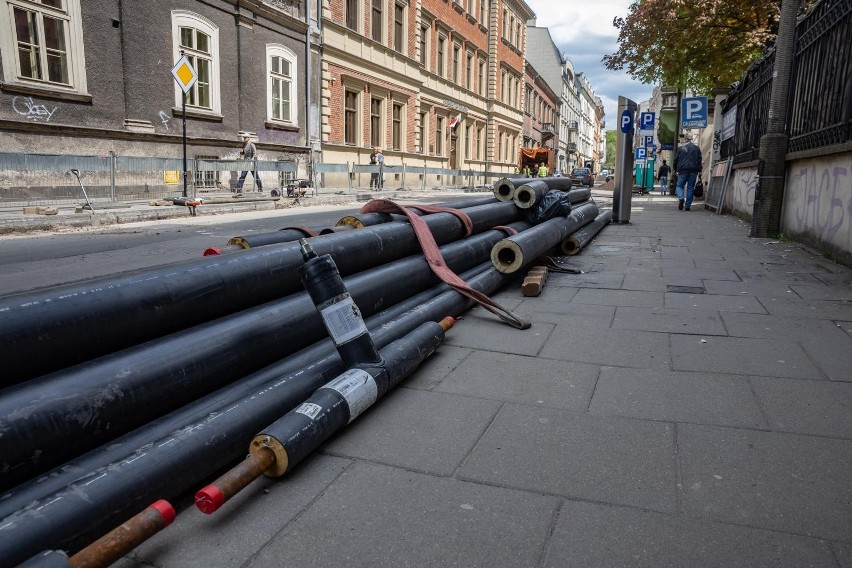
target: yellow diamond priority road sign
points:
(184, 74)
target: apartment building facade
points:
(95, 77)
(541, 113)
(436, 83)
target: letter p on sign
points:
(693, 112)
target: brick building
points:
(432, 82)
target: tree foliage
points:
(693, 44)
(610, 149)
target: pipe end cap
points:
(212, 251)
(209, 499)
(166, 511)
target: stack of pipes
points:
(130, 405)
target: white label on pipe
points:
(359, 389)
(343, 321)
(309, 409)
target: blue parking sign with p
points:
(646, 121)
(640, 153)
(693, 112)
(627, 121)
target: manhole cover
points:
(686, 289)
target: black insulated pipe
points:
(512, 253)
(78, 322)
(368, 219)
(165, 468)
(574, 243)
(74, 410)
(505, 188)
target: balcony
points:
(548, 130)
(573, 125)
(571, 147)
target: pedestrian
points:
(249, 154)
(542, 170)
(380, 177)
(374, 175)
(527, 171)
(663, 177)
(687, 165)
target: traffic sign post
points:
(185, 75)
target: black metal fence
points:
(820, 109)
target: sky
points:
(584, 33)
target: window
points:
(518, 36)
(468, 72)
(471, 7)
(350, 117)
(424, 122)
(352, 14)
(399, 28)
(442, 42)
(42, 44)
(198, 38)
(467, 141)
(505, 23)
(479, 140)
(281, 64)
(376, 122)
(396, 127)
(456, 55)
(424, 44)
(376, 22)
(481, 77)
(483, 18)
(439, 136)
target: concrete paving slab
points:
(843, 553)
(705, 302)
(382, 517)
(764, 275)
(487, 332)
(637, 298)
(792, 307)
(666, 320)
(588, 534)
(606, 459)
(699, 274)
(742, 356)
(783, 482)
(730, 288)
(820, 408)
(431, 432)
(616, 347)
(824, 341)
(579, 316)
(823, 292)
(232, 536)
(436, 367)
(523, 380)
(702, 398)
(655, 282)
(591, 279)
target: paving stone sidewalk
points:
(686, 401)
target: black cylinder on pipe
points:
(579, 195)
(528, 194)
(505, 188)
(512, 253)
(77, 322)
(47, 559)
(58, 478)
(274, 237)
(340, 314)
(74, 410)
(574, 243)
(369, 219)
(165, 468)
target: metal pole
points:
(623, 191)
(185, 173)
(112, 174)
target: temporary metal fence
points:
(820, 109)
(45, 179)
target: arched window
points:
(281, 84)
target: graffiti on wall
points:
(818, 200)
(165, 119)
(27, 107)
(741, 193)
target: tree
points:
(610, 150)
(691, 44)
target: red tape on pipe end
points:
(209, 499)
(166, 511)
(212, 251)
(447, 323)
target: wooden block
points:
(533, 284)
(40, 210)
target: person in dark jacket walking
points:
(663, 178)
(687, 165)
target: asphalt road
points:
(41, 260)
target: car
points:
(582, 176)
(610, 175)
